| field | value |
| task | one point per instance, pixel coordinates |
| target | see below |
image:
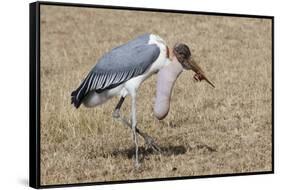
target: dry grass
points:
(208, 131)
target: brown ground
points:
(208, 131)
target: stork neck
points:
(169, 53)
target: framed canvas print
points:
(122, 94)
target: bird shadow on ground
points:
(165, 151)
(145, 152)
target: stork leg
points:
(149, 141)
(116, 113)
(134, 125)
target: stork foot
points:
(150, 143)
(137, 165)
(116, 114)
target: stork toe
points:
(150, 143)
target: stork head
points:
(183, 55)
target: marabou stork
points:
(120, 72)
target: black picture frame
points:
(34, 92)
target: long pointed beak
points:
(195, 67)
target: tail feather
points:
(78, 94)
(75, 100)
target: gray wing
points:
(118, 66)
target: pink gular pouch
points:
(166, 79)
